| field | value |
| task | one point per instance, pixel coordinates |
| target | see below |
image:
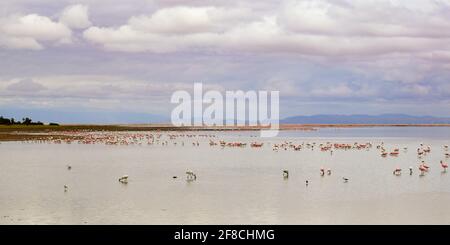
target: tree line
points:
(25, 121)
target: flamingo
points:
(419, 153)
(397, 171)
(422, 169)
(123, 179)
(425, 165)
(191, 175)
(285, 174)
(394, 153)
(444, 166)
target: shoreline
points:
(169, 127)
(45, 132)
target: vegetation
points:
(12, 121)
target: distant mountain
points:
(366, 119)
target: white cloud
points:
(28, 31)
(34, 31)
(177, 20)
(312, 27)
(12, 42)
(75, 16)
(170, 30)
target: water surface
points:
(234, 185)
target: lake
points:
(234, 185)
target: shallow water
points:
(234, 185)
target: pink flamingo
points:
(444, 166)
(423, 168)
(425, 165)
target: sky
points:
(119, 61)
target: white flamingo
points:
(123, 179)
(191, 176)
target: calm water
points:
(234, 185)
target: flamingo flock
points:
(423, 168)
(196, 139)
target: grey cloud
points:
(336, 56)
(26, 85)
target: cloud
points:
(34, 31)
(381, 18)
(339, 90)
(25, 86)
(99, 92)
(375, 55)
(416, 90)
(28, 31)
(169, 30)
(75, 16)
(310, 27)
(181, 20)
(303, 27)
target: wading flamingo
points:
(124, 179)
(444, 166)
(422, 170)
(191, 176)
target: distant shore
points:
(170, 127)
(38, 132)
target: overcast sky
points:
(120, 61)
